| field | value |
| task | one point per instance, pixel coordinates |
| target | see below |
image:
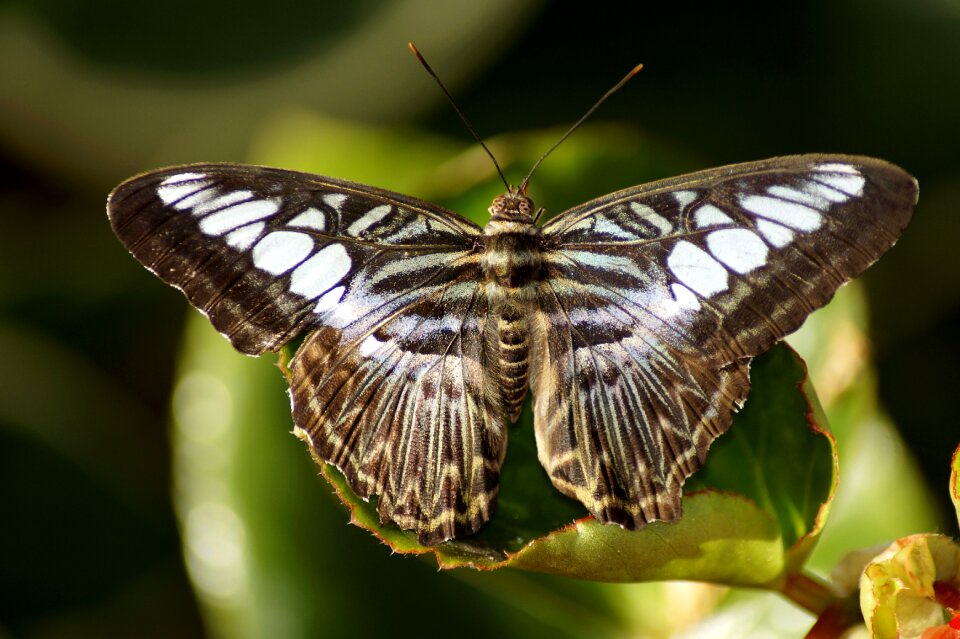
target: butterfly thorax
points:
(511, 256)
(512, 265)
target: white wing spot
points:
(226, 199)
(238, 215)
(739, 249)
(838, 168)
(309, 219)
(662, 223)
(695, 268)
(408, 267)
(851, 185)
(798, 216)
(315, 276)
(684, 198)
(709, 215)
(685, 297)
(804, 195)
(368, 219)
(244, 237)
(199, 198)
(647, 214)
(329, 300)
(817, 189)
(172, 189)
(778, 236)
(334, 200)
(184, 177)
(280, 251)
(370, 345)
(602, 224)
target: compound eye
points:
(525, 207)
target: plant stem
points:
(809, 592)
(835, 614)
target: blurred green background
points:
(95, 361)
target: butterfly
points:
(631, 318)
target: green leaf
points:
(783, 455)
(836, 345)
(722, 537)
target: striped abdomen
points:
(512, 337)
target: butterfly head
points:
(512, 206)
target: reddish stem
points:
(835, 614)
(836, 619)
(809, 592)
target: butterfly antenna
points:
(456, 108)
(616, 87)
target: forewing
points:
(405, 410)
(267, 253)
(655, 298)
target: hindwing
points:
(406, 410)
